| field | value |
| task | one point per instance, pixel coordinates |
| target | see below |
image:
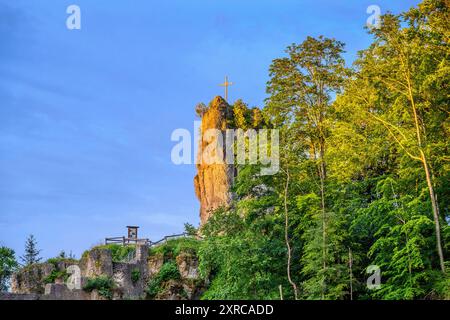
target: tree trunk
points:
(435, 207)
(322, 176)
(350, 266)
(286, 237)
(434, 203)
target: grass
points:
(118, 251)
(56, 260)
(103, 284)
(173, 248)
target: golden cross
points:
(226, 84)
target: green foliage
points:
(103, 284)
(364, 173)
(135, 275)
(173, 248)
(118, 252)
(56, 274)
(190, 229)
(440, 286)
(31, 255)
(245, 117)
(243, 253)
(57, 260)
(153, 288)
(8, 265)
(168, 271)
(325, 270)
(403, 241)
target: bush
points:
(56, 274)
(118, 251)
(169, 271)
(56, 260)
(172, 248)
(135, 275)
(103, 284)
(190, 229)
(153, 288)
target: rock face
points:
(213, 180)
(189, 285)
(188, 266)
(127, 286)
(31, 279)
(56, 291)
(130, 278)
(97, 262)
(155, 263)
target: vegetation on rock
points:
(135, 275)
(169, 271)
(103, 284)
(118, 252)
(173, 248)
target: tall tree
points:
(301, 90)
(400, 85)
(31, 252)
(8, 264)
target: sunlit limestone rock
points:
(213, 181)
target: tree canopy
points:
(364, 179)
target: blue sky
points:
(86, 115)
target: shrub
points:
(172, 248)
(153, 288)
(135, 275)
(103, 284)
(190, 229)
(56, 274)
(169, 271)
(56, 260)
(118, 251)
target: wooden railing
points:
(167, 238)
(126, 241)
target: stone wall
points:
(31, 279)
(188, 266)
(130, 278)
(97, 262)
(154, 264)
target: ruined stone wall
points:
(30, 282)
(31, 279)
